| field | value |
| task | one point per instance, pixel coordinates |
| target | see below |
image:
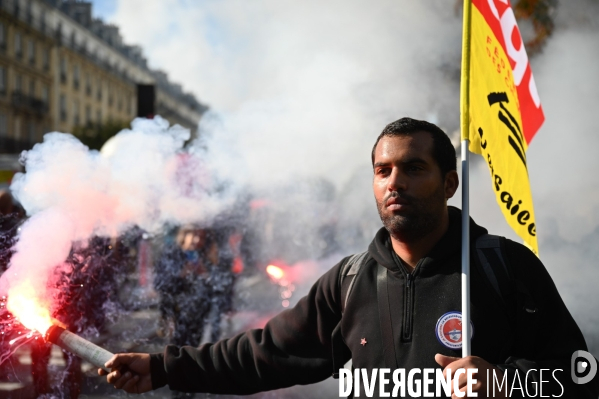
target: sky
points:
(302, 89)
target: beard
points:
(422, 216)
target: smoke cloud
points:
(141, 178)
(303, 89)
(299, 91)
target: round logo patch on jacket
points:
(449, 330)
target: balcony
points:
(26, 103)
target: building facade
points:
(63, 70)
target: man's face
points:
(409, 189)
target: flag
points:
(500, 106)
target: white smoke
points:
(301, 90)
(304, 88)
(142, 177)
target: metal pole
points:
(465, 131)
(466, 349)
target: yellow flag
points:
(501, 109)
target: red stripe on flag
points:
(500, 17)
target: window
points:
(45, 94)
(2, 80)
(76, 112)
(63, 108)
(76, 77)
(88, 85)
(2, 36)
(3, 125)
(17, 128)
(99, 90)
(28, 14)
(32, 88)
(18, 83)
(88, 115)
(31, 52)
(99, 117)
(63, 70)
(46, 58)
(18, 45)
(31, 131)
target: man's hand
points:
(472, 362)
(129, 372)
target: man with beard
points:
(403, 311)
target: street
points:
(256, 297)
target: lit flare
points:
(275, 272)
(24, 304)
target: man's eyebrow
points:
(378, 164)
(406, 161)
(414, 160)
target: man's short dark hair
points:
(443, 150)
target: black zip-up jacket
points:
(296, 346)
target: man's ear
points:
(452, 181)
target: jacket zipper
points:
(408, 305)
(409, 302)
(409, 308)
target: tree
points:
(95, 135)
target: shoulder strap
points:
(514, 294)
(489, 249)
(348, 272)
(350, 269)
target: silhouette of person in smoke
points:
(195, 283)
(181, 279)
(11, 217)
(220, 278)
(87, 291)
(167, 281)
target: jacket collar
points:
(381, 250)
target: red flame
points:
(24, 304)
(275, 272)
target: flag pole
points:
(464, 127)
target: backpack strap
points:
(514, 295)
(384, 305)
(348, 274)
(489, 249)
